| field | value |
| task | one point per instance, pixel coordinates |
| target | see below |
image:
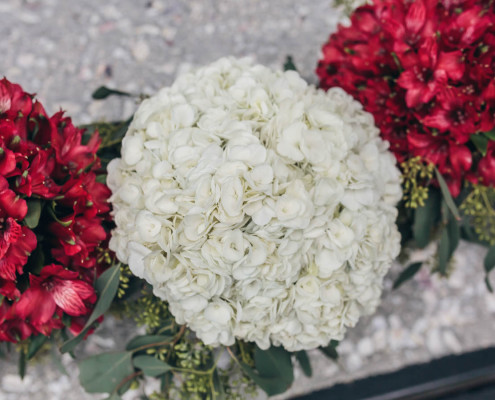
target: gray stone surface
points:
(64, 49)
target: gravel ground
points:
(64, 49)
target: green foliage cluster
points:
(430, 214)
(479, 209)
(416, 175)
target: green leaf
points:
(490, 134)
(425, 218)
(106, 287)
(218, 392)
(276, 361)
(147, 340)
(22, 364)
(35, 344)
(271, 386)
(289, 64)
(303, 359)
(489, 264)
(122, 129)
(103, 92)
(32, 217)
(103, 373)
(454, 231)
(488, 284)
(447, 196)
(151, 366)
(274, 373)
(489, 261)
(443, 252)
(481, 143)
(449, 241)
(331, 350)
(407, 274)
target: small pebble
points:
(140, 50)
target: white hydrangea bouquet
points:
(260, 212)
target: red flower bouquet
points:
(426, 70)
(52, 216)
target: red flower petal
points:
(460, 158)
(452, 64)
(438, 119)
(37, 305)
(12, 205)
(416, 16)
(66, 296)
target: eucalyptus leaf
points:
(103, 92)
(22, 364)
(490, 134)
(106, 287)
(331, 350)
(147, 340)
(151, 366)
(32, 217)
(407, 274)
(104, 373)
(447, 196)
(489, 261)
(425, 218)
(303, 359)
(218, 392)
(454, 231)
(35, 344)
(443, 252)
(489, 264)
(481, 143)
(274, 368)
(120, 132)
(276, 361)
(270, 385)
(488, 284)
(289, 64)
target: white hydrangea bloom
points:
(257, 206)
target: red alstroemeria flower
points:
(452, 160)
(407, 27)
(9, 289)
(10, 204)
(456, 113)
(14, 102)
(16, 244)
(430, 73)
(44, 163)
(13, 328)
(7, 159)
(55, 287)
(486, 166)
(36, 179)
(77, 240)
(85, 195)
(66, 140)
(466, 27)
